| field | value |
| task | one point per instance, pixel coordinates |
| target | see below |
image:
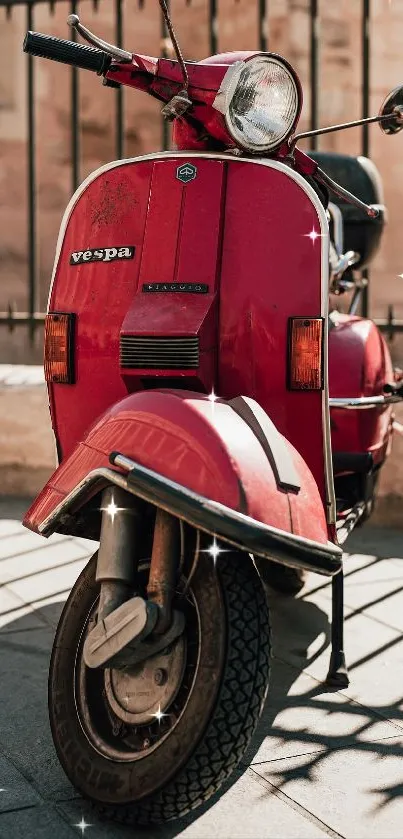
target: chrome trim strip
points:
(237, 529)
(324, 237)
(331, 513)
(338, 228)
(363, 401)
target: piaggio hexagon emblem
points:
(187, 172)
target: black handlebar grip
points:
(68, 52)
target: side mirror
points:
(393, 106)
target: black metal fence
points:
(33, 318)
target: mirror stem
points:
(297, 137)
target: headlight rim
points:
(232, 75)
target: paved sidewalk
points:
(322, 763)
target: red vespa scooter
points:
(179, 276)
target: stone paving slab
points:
(360, 791)
(321, 763)
(23, 543)
(13, 609)
(301, 716)
(45, 583)
(14, 789)
(247, 810)
(374, 652)
(37, 823)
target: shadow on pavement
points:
(301, 634)
(28, 745)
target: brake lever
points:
(115, 52)
(370, 210)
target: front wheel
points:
(151, 744)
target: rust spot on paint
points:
(116, 202)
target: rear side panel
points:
(359, 365)
(223, 256)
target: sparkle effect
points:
(313, 235)
(159, 715)
(212, 397)
(401, 276)
(214, 550)
(112, 509)
(82, 825)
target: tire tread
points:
(233, 723)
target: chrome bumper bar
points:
(211, 517)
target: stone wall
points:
(340, 81)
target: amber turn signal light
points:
(305, 354)
(59, 348)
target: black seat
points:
(360, 176)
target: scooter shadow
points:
(296, 625)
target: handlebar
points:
(68, 52)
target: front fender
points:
(227, 452)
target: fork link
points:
(117, 561)
(163, 570)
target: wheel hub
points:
(143, 692)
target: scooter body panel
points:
(206, 447)
(226, 231)
(141, 206)
(359, 365)
(267, 257)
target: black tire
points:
(281, 578)
(223, 705)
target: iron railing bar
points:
(314, 69)
(22, 319)
(164, 53)
(365, 47)
(32, 231)
(366, 14)
(120, 134)
(213, 27)
(75, 126)
(263, 25)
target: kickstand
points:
(337, 676)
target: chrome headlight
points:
(261, 100)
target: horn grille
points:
(155, 353)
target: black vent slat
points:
(134, 339)
(163, 353)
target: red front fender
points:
(215, 449)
